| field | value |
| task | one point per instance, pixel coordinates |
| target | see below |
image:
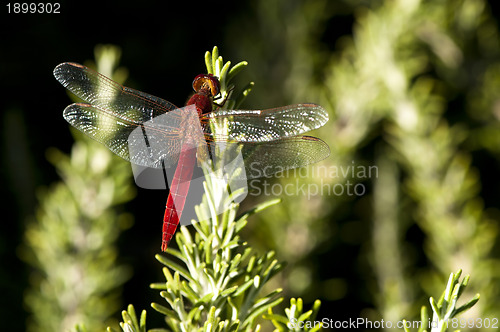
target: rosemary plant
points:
(71, 243)
(445, 310)
(414, 90)
(215, 281)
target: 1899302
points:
(33, 8)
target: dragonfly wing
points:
(267, 158)
(150, 144)
(271, 124)
(98, 90)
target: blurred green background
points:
(412, 87)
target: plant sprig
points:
(296, 319)
(218, 278)
(445, 309)
(215, 281)
(216, 66)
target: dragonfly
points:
(270, 140)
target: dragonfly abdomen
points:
(178, 192)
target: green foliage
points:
(215, 281)
(218, 284)
(445, 310)
(414, 91)
(130, 322)
(219, 276)
(71, 242)
(216, 66)
(296, 319)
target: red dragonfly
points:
(270, 139)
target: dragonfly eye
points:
(207, 81)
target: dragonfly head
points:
(208, 83)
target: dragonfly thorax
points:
(202, 101)
(206, 87)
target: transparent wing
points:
(271, 124)
(148, 144)
(100, 91)
(263, 159)
(132, 125)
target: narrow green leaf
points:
(142, 322)
(424, 318)
(168, 276)
(243, 95)
(316, 327)
(435, 308)
(274, 317)
(316, 306)
(274, 264)
(194, 314)
(256, 311)
(305, 316)
(451, 308)
(229, 291)
(251, 263)
(404, 326)
(467, 306)
(235, 262)
(200, 227)
(463, 284)
(209, 63)
(178, 268)
(256, 281)
(218, 66)
(206, 299)
(187, 240)
(158, 285)
(274, 293)
(457, 275)
(239, 225)
(234, 327)
(236, 69)
(165, 311)
(243, 288)
(189, 292)
(223, 73)
(211, 315)
(259, 208)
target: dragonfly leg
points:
(226, 98)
